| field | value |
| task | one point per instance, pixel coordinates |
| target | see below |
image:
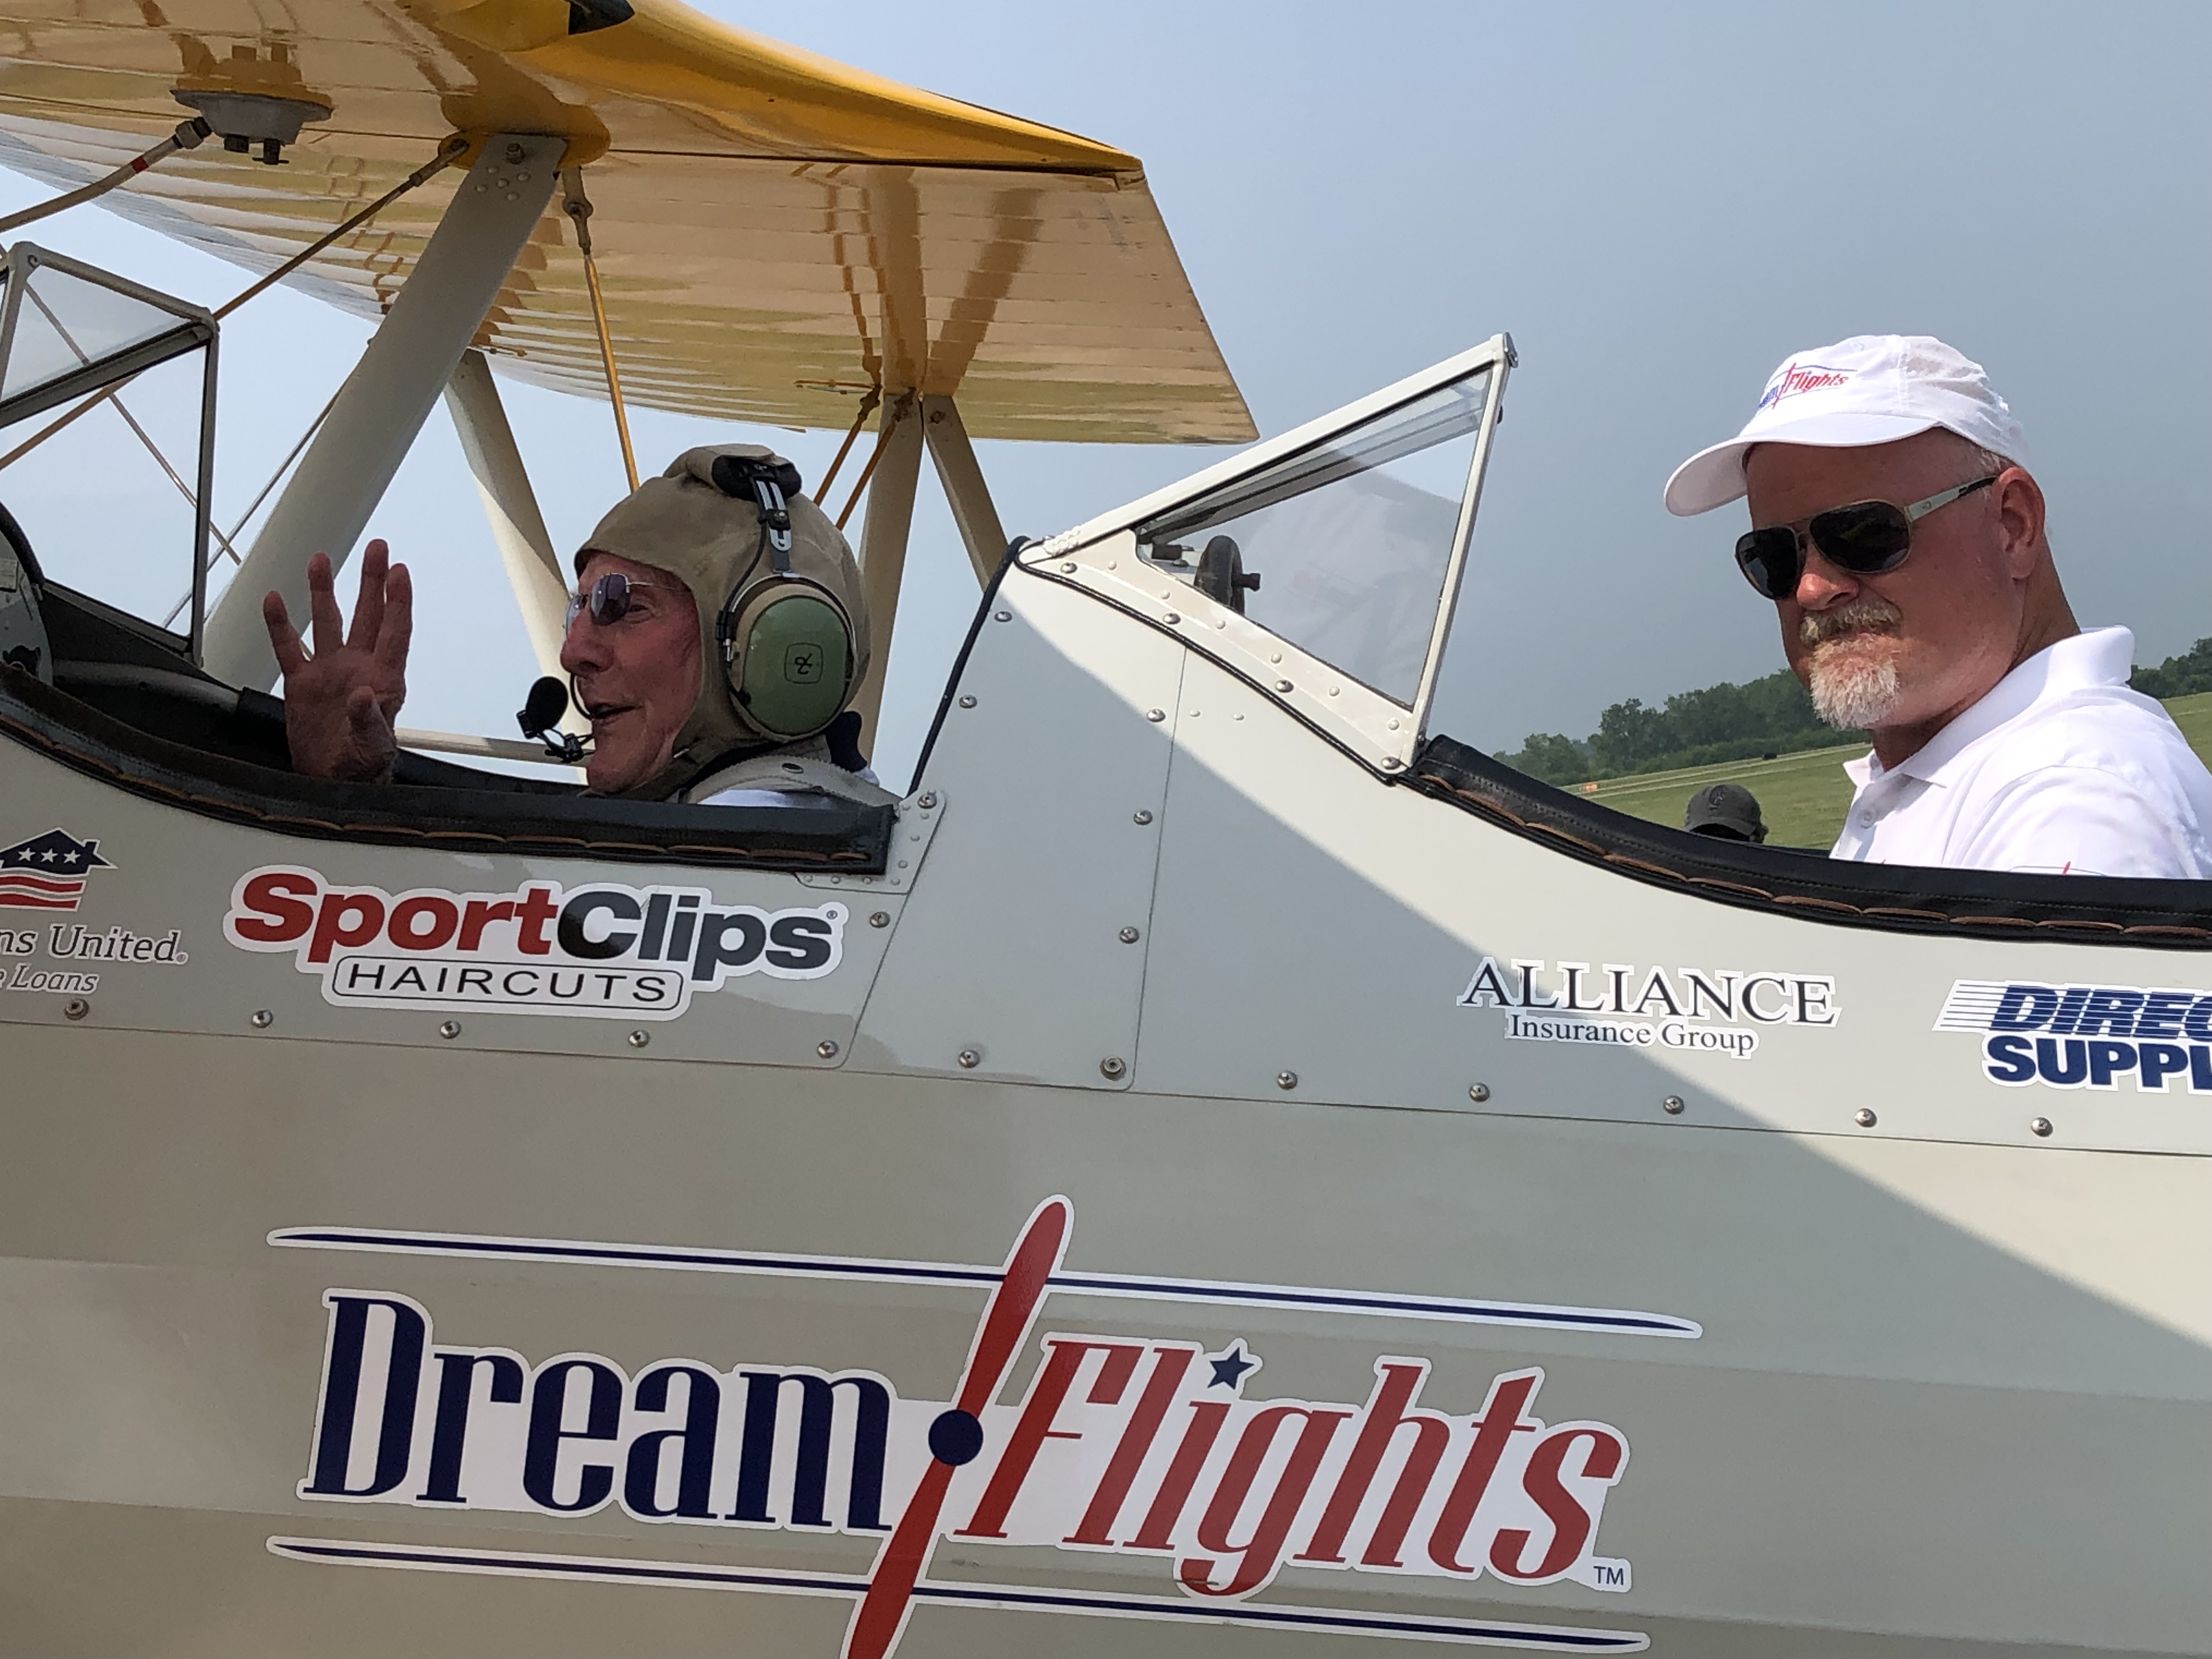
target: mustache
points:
(1864, 614)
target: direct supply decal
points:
(1123, 1443)
(2087, 1037)
(604, 950)
(1676, 1010)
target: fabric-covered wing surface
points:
(776, 232)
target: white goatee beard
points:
(1851, 687)
(1854, 692)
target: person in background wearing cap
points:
(718, 629)
(1898, 531)
(1726, 812)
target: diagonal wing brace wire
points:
(448, 153)
(578, 207)
(189, 134)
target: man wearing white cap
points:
(1898, 531)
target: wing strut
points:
(965, 492)
(388, 395)
(533, 569)
(893, 472)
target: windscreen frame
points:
(1383, 731)
(196, 329)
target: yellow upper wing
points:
(776, 232)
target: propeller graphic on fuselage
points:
(956, 1438)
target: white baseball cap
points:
(1869, 389)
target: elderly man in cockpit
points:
(1901, 540)
(717, 630)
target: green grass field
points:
(1804, 795)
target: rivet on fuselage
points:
(1111, 1067)
(1863, 1117)
(1478, 1093)
(2039, 1125)
(1286, 1080)
(639, 1038)
(450, 1029)
(969, 1059)
(263, 1019)
(826, 1048)
(1672, 1105)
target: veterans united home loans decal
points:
(50, 872)
(2087, 1037)
(1123, 1443)
(1681, 1009)
(604, 950)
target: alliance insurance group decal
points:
(1719, 1011)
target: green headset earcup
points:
(794, 664)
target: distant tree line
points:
(1737, 722)
(2178, 677)
(1691, 728)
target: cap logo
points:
(1797, 377)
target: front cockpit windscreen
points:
(103, 418)
(1342, 550)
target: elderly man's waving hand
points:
(719, 628)
(341, 704)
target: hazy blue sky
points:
(1659, 202)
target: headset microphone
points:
(541, 712)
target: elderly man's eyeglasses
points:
(608, 599)
(1866, 538)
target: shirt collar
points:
(2102, 656)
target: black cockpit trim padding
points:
(844, 836)
(1890, 897)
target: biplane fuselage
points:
(1217, 1168)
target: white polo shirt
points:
(2061, 769)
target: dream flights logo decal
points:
(2074, 1037)
(1127, 1445)
(48, 871)
(607, 950)
(1683, 1010)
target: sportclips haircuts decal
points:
(1677, 1010)
(1122, 1443)
(2087, 1037)
(604, 950)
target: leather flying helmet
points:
(783, 619)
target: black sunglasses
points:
(1866, 538)
(607, 599)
